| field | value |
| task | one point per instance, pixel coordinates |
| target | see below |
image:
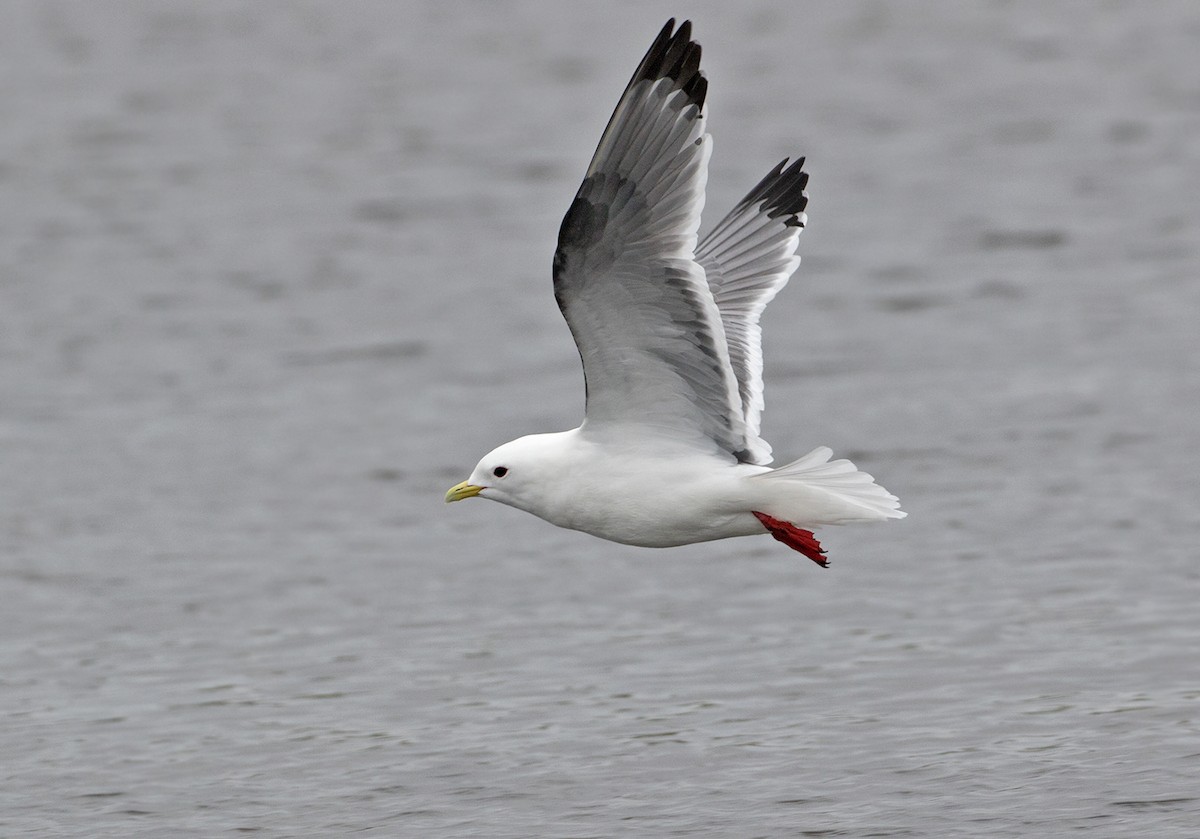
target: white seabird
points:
(669, 451)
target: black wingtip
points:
(781, 192)
(674, 55)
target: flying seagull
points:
(669, 451)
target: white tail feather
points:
(816, 490)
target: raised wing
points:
(638, 305)
(748, 257)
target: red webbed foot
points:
(795, 538)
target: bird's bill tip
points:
(464, 490)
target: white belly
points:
(661, 508)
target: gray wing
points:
(748, 257)
(636, 301)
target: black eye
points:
(500, 471)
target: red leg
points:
(795, 538)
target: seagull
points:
(667, 327)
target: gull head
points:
(521, 473)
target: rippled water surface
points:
(274, 276)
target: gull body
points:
(667, 327)
(573, 482)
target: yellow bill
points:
(464, 490)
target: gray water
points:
(274, 276)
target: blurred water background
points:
(274, 275)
